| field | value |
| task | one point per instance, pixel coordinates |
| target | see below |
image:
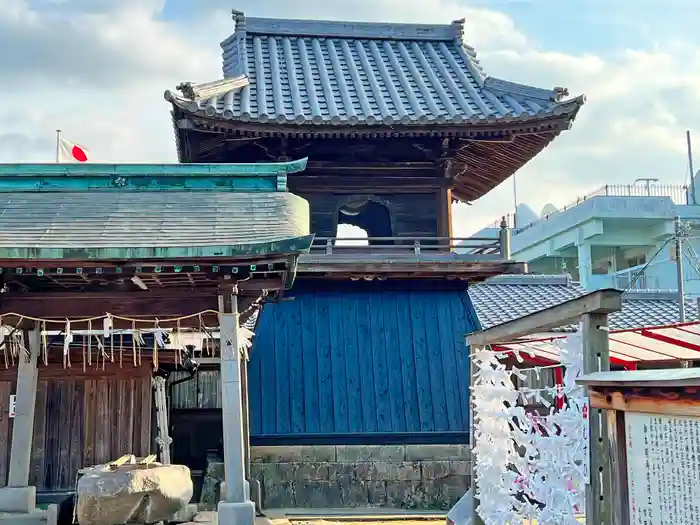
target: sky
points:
(97, 69)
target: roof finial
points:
(238, 20)
(458, 27)
(560, 92)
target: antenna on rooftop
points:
(692, 171)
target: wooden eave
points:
(61, 289)
(111, 256)
(420, 267)
(490, 153)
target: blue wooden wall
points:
(362, 358)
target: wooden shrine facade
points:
(102, 269)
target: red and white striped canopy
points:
(679, 342)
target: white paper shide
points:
(529, 465)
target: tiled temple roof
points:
(505, 298)
(362, 74)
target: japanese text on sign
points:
(663, 469)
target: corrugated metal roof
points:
(504, 298)
(350, 73)
(82, 220)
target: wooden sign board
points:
(663, 468)
(653, 419)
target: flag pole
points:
(58, 144)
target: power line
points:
(643, 268)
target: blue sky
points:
(98, 69)
(573, 26)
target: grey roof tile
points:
(350, 73)
(504, 298)
(149, 219)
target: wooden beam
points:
(669, 378)
(599, 302)
(681, 406)
(142, 304)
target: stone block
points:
(211, 485)
(257, 470)
(299, 472)
(278, 495)
(405, 494)
(230, 513)
(37, 517)
(340, 471)
(299, 454)
(18, 499)
(318, 494)
(274, 454)
(437, 452)
(376, 492)
(386, 471)
(461, 468)
(431, 470)
(442, 494)
(357, 453)
(353, 493)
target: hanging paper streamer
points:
(535, 463)
(3, 343)
(157, 341)
(178, 352)
(13, 343)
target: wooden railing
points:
(474, 247)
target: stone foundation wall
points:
(429, 477)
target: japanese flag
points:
(69, 152)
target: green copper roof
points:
(147, 177)
(143, 225)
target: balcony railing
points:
(676, 192)
(488, 248)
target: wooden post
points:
(618, 466)
(596, 358)
(253, 484)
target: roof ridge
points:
(532, 279)
(355, 30)
(508, 87)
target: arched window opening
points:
(368, 215)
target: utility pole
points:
(679, 268)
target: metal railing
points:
(489, 247)
(676, 192)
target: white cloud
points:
(97, 69)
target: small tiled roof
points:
(352, 73)
(99, 224)
(504, 298)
